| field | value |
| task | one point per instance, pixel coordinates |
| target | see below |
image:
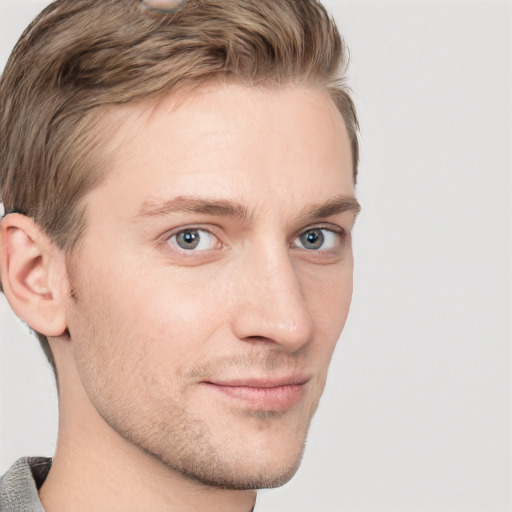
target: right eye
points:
(193, 240)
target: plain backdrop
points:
(417, 410)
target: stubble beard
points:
(186, 443)
(188, 447)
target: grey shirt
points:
(19, 486)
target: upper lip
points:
(261, 382)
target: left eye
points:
(193, 240)
(316, 239)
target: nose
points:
(271, 306)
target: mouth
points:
(265, 394)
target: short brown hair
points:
(79, 57)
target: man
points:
(178, 184)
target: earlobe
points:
(32, 272)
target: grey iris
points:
(188, 239)
(312, 239)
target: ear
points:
(33, 275)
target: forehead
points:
(230, 137)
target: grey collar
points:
(19, 486)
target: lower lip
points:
(279, 398)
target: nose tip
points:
(262, 323)
(273, 308)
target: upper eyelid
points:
(190, 227)
(169, 234)
(322, 225)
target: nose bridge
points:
(271, 302)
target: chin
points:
(236, 466)
(249, 475)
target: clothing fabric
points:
(19, 486)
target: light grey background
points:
(417, 411)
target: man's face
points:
(215, 277)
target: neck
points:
(80, 481)
(94, 468)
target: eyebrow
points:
(229, 208)
(335, 206)
(193, 204)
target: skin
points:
(190, 375)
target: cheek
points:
(328, 292)
(169, 317)
(329, 305)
